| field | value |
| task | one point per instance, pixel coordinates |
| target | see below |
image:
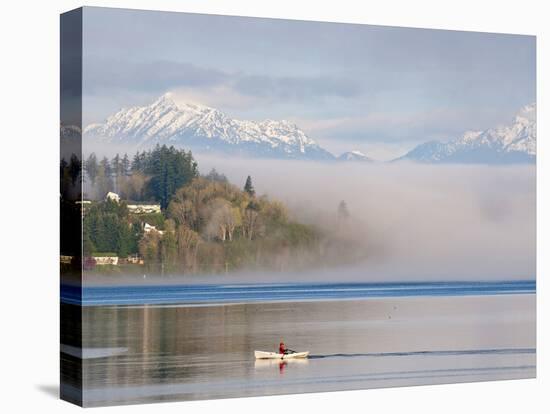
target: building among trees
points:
(113, 197)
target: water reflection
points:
(147, 353)
(280, 364)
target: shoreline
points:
(226, 294)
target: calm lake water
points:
(163, 352)
(151, 293)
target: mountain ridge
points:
(354, 156)
(204, 128)
(514, 143)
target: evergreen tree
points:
(169, 170)
(215, 176)
(87, 244)
(116, 166)
(104, 178)
(75, 167)
(92, 168)
(124, 239)
(125, 164)
(106, 229)
(248, 187)
(99, 234)
(106, 165)
(62, 167)
(136, 163)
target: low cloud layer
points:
(410, 222)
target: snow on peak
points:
(354, 155)
(469, 136)
(520, 136)
(69, 130)
(527, 114)
(185, 123)
(510, 143)
(167, 98)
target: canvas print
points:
(263, 206)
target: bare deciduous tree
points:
(250, 223)
(188, 244)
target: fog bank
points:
(410, 222)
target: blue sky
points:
(378, 89)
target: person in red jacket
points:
(282, 348)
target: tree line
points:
(152, 175)
(212, 226)
(207, 224)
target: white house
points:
(147, 228)
(113, 197)
(143, 208)
(106, 260)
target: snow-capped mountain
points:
(69, 131)
(354, 155)
(201, 129)
(515, 143)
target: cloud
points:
(396, 129)
(154, 76)
(218, 96)
(371, 123)
(297, 88)
(162, 75)
(413, 222)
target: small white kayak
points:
(276, 355)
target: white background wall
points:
(29, 100)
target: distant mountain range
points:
(204, 129)
(354, 155)
(512, 144)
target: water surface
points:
(167, 293)
(165, 352)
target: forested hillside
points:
(206, 224)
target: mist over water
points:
(408, 221)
